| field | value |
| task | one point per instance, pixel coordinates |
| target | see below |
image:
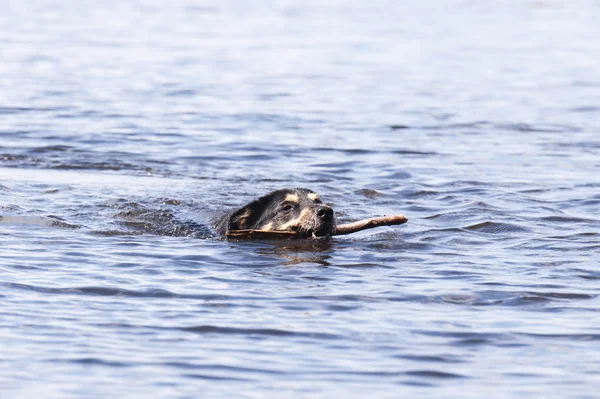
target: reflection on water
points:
(297, 252)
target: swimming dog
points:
(297, 209)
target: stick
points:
(260, 234)
(340, 230)
(369, 224)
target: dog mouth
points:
(322, 231)
(325, 231)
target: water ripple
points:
(127, 127)
(208, 329)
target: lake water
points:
(126, 127)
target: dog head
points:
(298, 209)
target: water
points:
(125, 127)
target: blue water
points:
(126, 127)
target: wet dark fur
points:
(297, 209)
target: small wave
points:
(526, 127)
(52, 148)
(61, 157)
(584, 109)
(577, 236)
(181, 93)
(434, 374)
(399, 127)
(82, 165)
(588, 274)
(217, 377)
(91, 361)
(208, 329)
(560, 295)
(20, 110)
(495, 227)
(464, 184)
(349, 151)
(348, 297)
(113, 233)
(423, 193)
(368, 193)
(425, 358)
(466, 337)
(525, 298)
(399, 176)
(362, 151)
(583, 145)
(414, 152)
(574, 337)
(221, 368)
(111, 291)
(448, 126)
(567, 219)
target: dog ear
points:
(240, 219)
(246, 217)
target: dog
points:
(299, 209)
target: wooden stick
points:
(340, 230)
(369, 224)
(260, 234)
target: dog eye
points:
(287, 207)
(318, 201)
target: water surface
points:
(125, 127)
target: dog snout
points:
(325, 213)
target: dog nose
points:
(325, 212)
